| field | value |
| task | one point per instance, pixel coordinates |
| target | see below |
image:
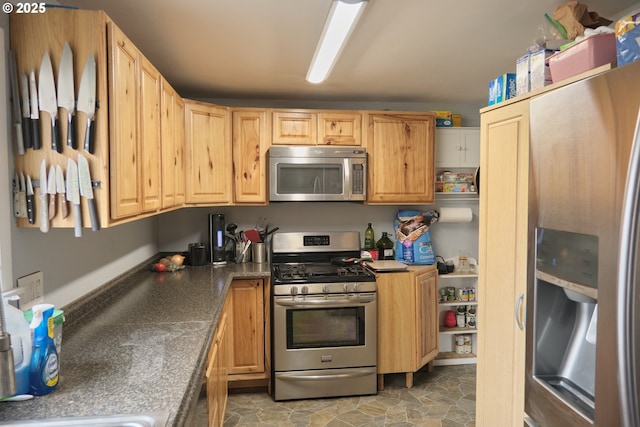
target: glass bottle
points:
(385, 247)
(369, 238)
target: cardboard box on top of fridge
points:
(539, 72)
(522, 75)
(628, 39)
(502, 88)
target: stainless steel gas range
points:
(324, 317)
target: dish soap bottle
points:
(369, 238)
(44, 370)
(385, 247)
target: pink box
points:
(583, 56)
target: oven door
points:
(324, 332)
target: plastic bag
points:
(574, 16)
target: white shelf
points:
(456, 303)
(453, 358)
(456, 331)
(455, 275)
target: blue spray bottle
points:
(44, 369)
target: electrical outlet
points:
(33, 286)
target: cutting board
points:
(386, 265)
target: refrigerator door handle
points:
(519, 314)
(625, 299)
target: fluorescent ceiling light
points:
(343, 16)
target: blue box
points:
(505, 87)
(442, 122)
(492, 92)
(628, 39)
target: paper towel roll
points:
(455, 215)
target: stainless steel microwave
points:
(310, 173)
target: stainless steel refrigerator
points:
(583, 336)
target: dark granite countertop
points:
(137, 345)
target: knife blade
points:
(26, 115)
(87, 191)
(47, 98)
(35, 115)
(31, 213)
(44, 203)
(60, 189)
(73, 195)
(87, 101)
(15, 103)
(66, 92)
(23, 197)
(51, 190)
(16, 195)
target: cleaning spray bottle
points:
(44, 370)
(18, 328)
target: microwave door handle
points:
(316, 185)
(626, 296)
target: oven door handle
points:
(325, 302)
(323, 377)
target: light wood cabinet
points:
(249, 331)
(340, 128)
(316, 127)
(208, 154)
(401, 149)
(250, 144)
(150, 143)
(172, 127)
(407, 321)
(503, 229)
(217, 372)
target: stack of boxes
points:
(447, 119)
(502, 88)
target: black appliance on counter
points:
(323, 317)
(217, 239)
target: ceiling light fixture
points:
(342, 19)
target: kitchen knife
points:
(26, 115)
(51, 189)
(66, 92)
(87, 191)
(87, 101)
(44, 203)
(31, 213)
(35, 116)
(15, 103)
(60, 189)
(47, 98)
(23, 197)
(16, 196)
(73, 195)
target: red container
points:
(583, 56)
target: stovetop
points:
(290, 273)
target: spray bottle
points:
(44, 370)
(21, 344)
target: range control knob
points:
(305, 289)
(356, 287)
(294, 290)
(345, 287)
(326, 288)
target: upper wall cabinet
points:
(172, 127)
(400, 150)
(457, 148)
(316, 127)
(208, 154)
(250, 143)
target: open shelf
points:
(454, 331)
(456, 303)
(453, 358)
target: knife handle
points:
(89, 137)
(93, 214)
(44, 211)
(54, 136)
(52, 206)
(63, 206)
(26, 133)
(19, 140)
(31, 214)
(35, 133)
(77, 220)
(71, 140)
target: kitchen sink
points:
(127, 420)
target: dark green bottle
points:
(369, 238)
(385, 247)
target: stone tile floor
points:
(444, 397)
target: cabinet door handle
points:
(519, 318)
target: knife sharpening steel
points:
(217, 239)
